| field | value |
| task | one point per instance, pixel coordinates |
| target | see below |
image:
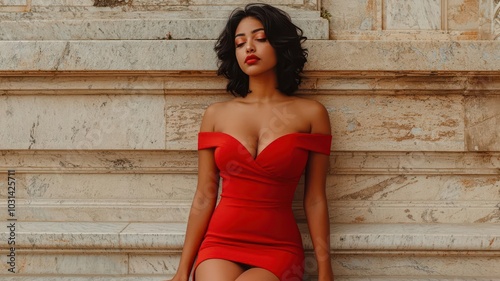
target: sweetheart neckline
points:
(267, 146)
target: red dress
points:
(253, 222)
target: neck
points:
(264, 87)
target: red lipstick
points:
(251, 59)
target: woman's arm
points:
(204, 201)
(315, 202)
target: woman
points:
(259, 143)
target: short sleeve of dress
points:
(320, 143)
(208, 140)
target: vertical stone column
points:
(489, 19)
(414, 19)
(496, 20)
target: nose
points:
(250, 47)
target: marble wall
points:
(496, 20)
(414, 19)
(101, 101)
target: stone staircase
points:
(99, 110)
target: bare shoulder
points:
(211, 115)
(316, 114)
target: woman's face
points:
(254, 53)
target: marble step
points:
(22, 277)
(19, 277)
(340, 212)
(417, 252)
(186, 56)
(135, 26)
(145, 5)
(157, 211)
(167, 197)
(170, 236)
(158, 122)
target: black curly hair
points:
(285, 37)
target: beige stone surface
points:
(173, 162)
(341, 211)
(105, 210)
(410, 20)
(404, 55)
(415, 163)
(222, 2)
(81, 235)
(152, 27)
(371, 267)
(353, 198)
(354, 15)
(183, 115)
(102, 134)
(117, 186)
(310, 277)
(12, 2)
(406, 123)
(347, 241)
(483, 123)
(82, 122)
(61, 264)
(412, 212)
(201, 83)
(152, 236)
(170, 236)
(413, 199)
(163, 277)
(463, 14)
(151, 4)
(405, 35)
(414, 188)
(197, 55)
(496, 21)
(98, 161)
(165, 264)
(412, 14)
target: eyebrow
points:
(253, 31)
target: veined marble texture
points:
(415, 267)
(151, 28)
(163, 236)
(64, 3)
(106, 186)
(405, 123)
(412, 14)
(198, 55)
(154, 248)
(411, 198)
(165, 264)
(219, 3)
(13, 2)
(496, 20)
(61, 264)
(354, 15)
(463, 14)
(72, 3)
(483, 120)
(82, 122)
(163, 277)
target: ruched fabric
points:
(253, 223)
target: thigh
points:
(217, 270)
(257, 274)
